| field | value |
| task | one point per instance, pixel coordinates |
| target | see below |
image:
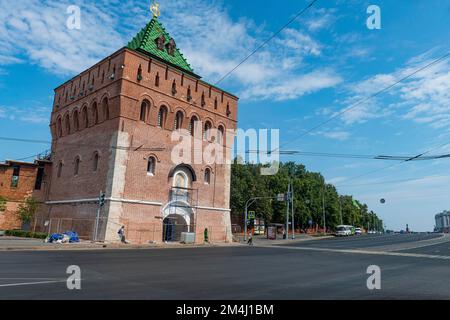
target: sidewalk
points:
(16, 244)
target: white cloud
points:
(37, 30)
(337, 135)
(36, 114)
(294, 87)
(212, 41)
(300, 42)
(336, 180)
(321, 19)
(423, 98)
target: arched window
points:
(95, 113)
(76, 121)
(192, 125)
(174, 87)
(59, 127)
(207, 131)
(160, 41)
(171, 46)
(95, 162)
(181, 180)
(76, 168)
(67, 123)
(59, 171)
(85, 117)
(178, 120)
(162, 115)
(189, 95)
(157, 80)
(144, 108)
(181, 183)
(151, 166)
(207, 175)
(139, 73)
(221, 134)
(105, 109)
(203, 101)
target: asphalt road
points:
(368, 241)
(318, 269)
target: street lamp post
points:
(247, 204)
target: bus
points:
(344, 230)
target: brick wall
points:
(15, 194)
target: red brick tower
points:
(113, 128)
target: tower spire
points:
(154, 8)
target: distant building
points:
(19, 180)
(442, 221)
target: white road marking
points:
(358, 251)
(30, 279)
(30, 283)
(414, 244)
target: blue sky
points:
(318, 66)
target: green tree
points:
(2, 204)
(27, 209)
(310, 189)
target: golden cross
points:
(154, 8)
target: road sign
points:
(280, 197)
(251, 215)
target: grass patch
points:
(25, 234)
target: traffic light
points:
(102, 199)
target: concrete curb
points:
(115, 246)
(112, 247)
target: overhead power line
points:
(133, 148)
(394, 181)
(358, 103)
(395, 164)
(353, 156)
(420, 157)
(267, 41)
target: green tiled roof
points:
(145, 42)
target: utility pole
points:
(288, 199)
(323, 209)
(292, 208)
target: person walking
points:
(121, 233)
(250, 239)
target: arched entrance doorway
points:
(178, 214)
(177, 218)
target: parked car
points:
(358, 231)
